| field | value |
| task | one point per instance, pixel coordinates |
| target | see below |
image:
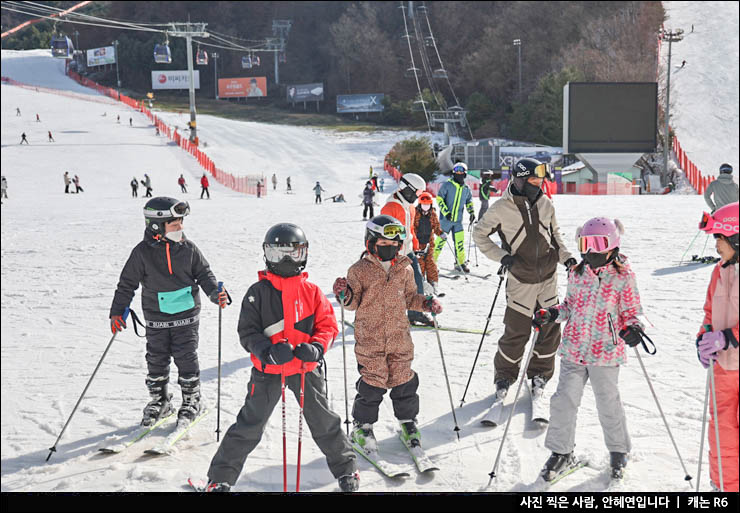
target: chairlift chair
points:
(255, 60)
(419, 105)
(439, 73)
(201, 58)
(412, 72)
(61, 47)
(429, 41)
(247, 62)
(162, 54)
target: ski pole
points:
(285, 454)
(444, 368)
(53, 448)
(689, 246)
(300, 427)
(470, 234)
(218, 394)
(639, 359)
(716, 424)
(344, 364)
(535, 338)
(501, 272)
(703, 431)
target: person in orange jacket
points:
(204, 186)
(717, 344)
(400, 205)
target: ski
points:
(452, 274)
(422, 461)
(180, 430)
(495, 416)
(137, 435)
(456, 277)
(545, 485)
(374, 457)
(540, 410)
(200, 486)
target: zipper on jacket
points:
(296, 311)
(529, 214)
(611, 328)
(169, 261)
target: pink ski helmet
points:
(599, 235)
(724, 220)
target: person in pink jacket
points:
(717, 343)
(600, 309)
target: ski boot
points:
(161, 404)
(350, 482)
(557, 464)
(618, 460)
(502, 388)
(538, 386)
(190, 407)
(410, 433)
(463, 268)
(419, 319)
(218, 487)
(363, 436)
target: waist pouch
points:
(176, 301)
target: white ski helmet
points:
(410, 186)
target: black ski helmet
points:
(285, 250)
(527, 168)
(725, 168)
(161, 210)
(383, 227)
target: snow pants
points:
(180, 344)
(522, 299)
(483, 208)
(368, 206)
(458, 239)
(263, 394)
(726, 383)
(367, 401)
(561, 432)
(428, 266)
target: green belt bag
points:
(176, 301)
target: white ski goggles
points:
(180, 209)
(297, 251)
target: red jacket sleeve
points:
(325, 322)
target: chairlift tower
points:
(189, 31)
(453, 116)
(280, 31)
(672, 36)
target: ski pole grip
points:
(220, 286)
(125, 314)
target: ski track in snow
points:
(62, 255)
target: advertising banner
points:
(245, 87)
(347, 103)
(177, 79)
(101, 56)
(305, 92)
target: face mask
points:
(174, 236)
(426, 208)
(531, 192)
(595, 260)
(386, 253)
(459, 178)
(287, 267)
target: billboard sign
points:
(350, 103)
(245, 87)
(101, 56)
(509, 155)
(305, 92)
(175, 79)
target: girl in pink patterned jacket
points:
(600, 310)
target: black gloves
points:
(632, 335)
(472, 217)
(508, 261)
(545, 316)
(274, 354)
(448, 216)
(570, 263)
(309, 352)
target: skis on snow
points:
(376, 459)
(540, 411)
(422, 461)
(134, 437)
(181, 429)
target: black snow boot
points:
(218, 488)
(350, 482)
(160, 405)
(557, 464)
(502, 388)
(410, 433)
(618, 460)
(190, 407)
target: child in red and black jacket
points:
(287, 324)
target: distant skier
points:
(380, 287)
(182, 184)
(683, 63)
(717, 344)
(17, 111)
(118, 118)
(426, 226)
(78, 188)
(67, 181)
(374, 181)
(724, 189)
(204, 186)
(38, 119)
(259, 188)
(454, 197)
(274, 182)
(134, 188)
(156, 131)
(23, 138)
(382, 183)
(130, 121)
(602, 286)
(486, 188)
(3, 188)
(368, 196)
(170, 269)
(51, 139)
(287, 180)
(338, 198)
(147, 182)
(318, 190)
(285, 342)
